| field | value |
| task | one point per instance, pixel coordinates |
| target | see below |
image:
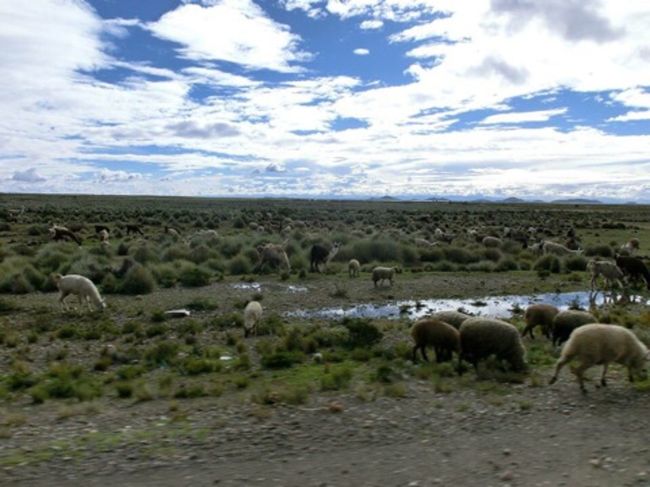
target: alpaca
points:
(273, 254)
(322, 255)
(82, 287)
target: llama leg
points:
(423, 348)
(415, 353)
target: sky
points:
(327, 98)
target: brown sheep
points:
(539, 314)
(444, 339)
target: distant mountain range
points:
(508, 201)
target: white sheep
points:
(354, 268)
(549, 247)
(595, 344)
(82, 287)
(252, 316)
(103, 235)
(380, 274)
(608, 270)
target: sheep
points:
(354, 268)
(252, 316)
(454, 318)
(595, 343)
(103, 235)
(549, 247)
(633, 267)
(273, 254)
(62, 233)
(631, 247)
(491, 242)
(380, 274)
(482, 337)
(320, 254)
(82, 287)
(566, 321)
(608, 270)
(539, 314)
(172, 231)
(443, 337)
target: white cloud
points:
(361, 51)
(521, 117)
(371, 24)
(107, 175)
(631, 116)
(28, 176)
(238, 31)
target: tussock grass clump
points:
(361, 332)
(549, 263)
(191, 275)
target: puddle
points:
(256, 286)
(495, 306)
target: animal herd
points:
(474, 339)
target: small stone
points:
(506, 476)
(506, 451)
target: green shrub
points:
(239, 265)
(576, 263)
(361, 332)
(549, 263)
(460, 255)
(192, 275)
(138, 280)
(336, 379)
(506, 264)
(162, 354)
(432, 255)
(600, 250)
(282, 359)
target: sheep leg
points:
(558, 366)
(62, 302)
(603, 382)
(579, 371)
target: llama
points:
(553, 248)
(322, 255)
(273, 254)
(132, 228)
(62, 233)
(631, 247)
(82, 287)
(608, 270)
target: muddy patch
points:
(495, 306)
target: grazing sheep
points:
(482, 337)
(82, 287)
(252, 316)
(553, 248)
(62, 233)
(132, 228)
(273, 254)
(608, 270)
(103, 235)
(633, 267)
(566, 321)
(454, 318)
(172, 231)
(491, 242)
(354, 268)
(595, 344)
(539, 314)
(380, 274)
(99, 228)
(443, 337)
(320, 254)
(631, 247)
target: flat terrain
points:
(129, 396)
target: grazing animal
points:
(553, 248)
(595, 343)
(423, 242)
(572, 244)
(454, 318)
(537, 248)
(252, 316)
(354, 268)
(539, 314)
(273, 254)
(443, 337)
(631, 247)
(103, 235)
(380, 274)
(82, 287)
(482, 337)
(491, 242)
(566, 321)
(99, 228)
(62, 233)
(172, 231)
(634, 268)
(608, 270)
(320, 254)
(131, 228)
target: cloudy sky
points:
(316, 98)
